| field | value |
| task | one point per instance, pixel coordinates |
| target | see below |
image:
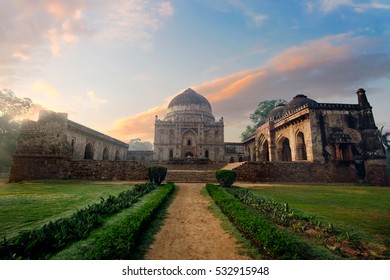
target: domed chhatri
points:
(189, 103)
(276, 112)
(299, 101)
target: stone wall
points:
(34, 167)
(108, 170)
(304, 172)
(45, 167)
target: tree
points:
(137, 145)
(259, 114)
(12, 109)
(384, 137)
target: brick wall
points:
(108, 170)
(34, 167)
(50, 167)
(296, 172)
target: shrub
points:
(225, 178)
(262, 233)
(157, 174)
(122, 239)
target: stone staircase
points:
(191, 176)
(233, 165)
(187, 174)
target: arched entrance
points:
(264, 152)
(286, 150)
(301, 153)
(189, 144)
(189, 155)
(88, 154)
(105, 153)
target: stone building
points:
(55, 147)
(55, 134)
(304, 130)
(234, 152)
(189, 130)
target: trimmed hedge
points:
(275, 243)
(157, 174)
(55, 236)
(121, 240)
(225, 178)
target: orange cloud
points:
(138, 126)
(312, 54)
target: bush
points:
(265, 235)
(157, 174)
(122, 239)
(225, 178)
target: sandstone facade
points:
(338, 135)
(189, 130)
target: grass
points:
(29, 205)
(363, 210)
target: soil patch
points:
(191, 232)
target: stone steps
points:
(191, 176)
(233, 165)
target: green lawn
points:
(27, 206)
(361, 209)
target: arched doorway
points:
(88, 154)
(170, 154)
(105, 153)
(286, 150)
(206, 154)
(117, 155)
(189, 144)
(231, 160)
(264, 152)
(301, 153)
(189, 155)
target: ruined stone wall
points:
(316, 172)
(35, 167)
(108, 170)
(38, 167)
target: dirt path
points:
(192, 232)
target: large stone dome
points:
(189, 103)
(299, 101)
(276, 112)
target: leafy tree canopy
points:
(12, 106)
(138, 145)
(12, 110)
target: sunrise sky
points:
(114, 65)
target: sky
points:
(114, 65)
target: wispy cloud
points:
(47, 89)
(256, 19)
(30, 30)
(359, 6)
(94, 101)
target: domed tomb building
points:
(189, 130)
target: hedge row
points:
(121, 240)
(54, 236)
(275, 243)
